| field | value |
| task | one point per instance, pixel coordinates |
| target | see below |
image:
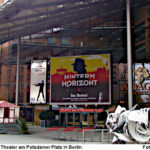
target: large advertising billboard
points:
(81, 79)
(38, 82)
(141, 76)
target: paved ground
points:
(40, 135)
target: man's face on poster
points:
(79, 66)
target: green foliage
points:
(23, 126)
(46, 115)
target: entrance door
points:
(70, 119)
(91, 119)
(85, 119)
(77, 119)
(63, 119)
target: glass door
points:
(70, 119)
(77, 119)
(85, 119)
(62, 119)
(91, 119)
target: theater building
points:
(75, 63)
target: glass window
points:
(51, 40)
(137, 15)
(148, 10)
(140, 48)
(65, 41)
(139, 32)
(22, 86)
(139, 27)
(140, 52)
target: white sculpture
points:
(129, 126)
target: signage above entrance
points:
(81, 110)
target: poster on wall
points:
(141, 76)
(38, 82)
(81, 79)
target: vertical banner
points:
(38, 82)
(141, 76)
(81, 79)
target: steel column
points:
(129, 55)
(18, 70)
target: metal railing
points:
(80, 134)
(104, 135)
